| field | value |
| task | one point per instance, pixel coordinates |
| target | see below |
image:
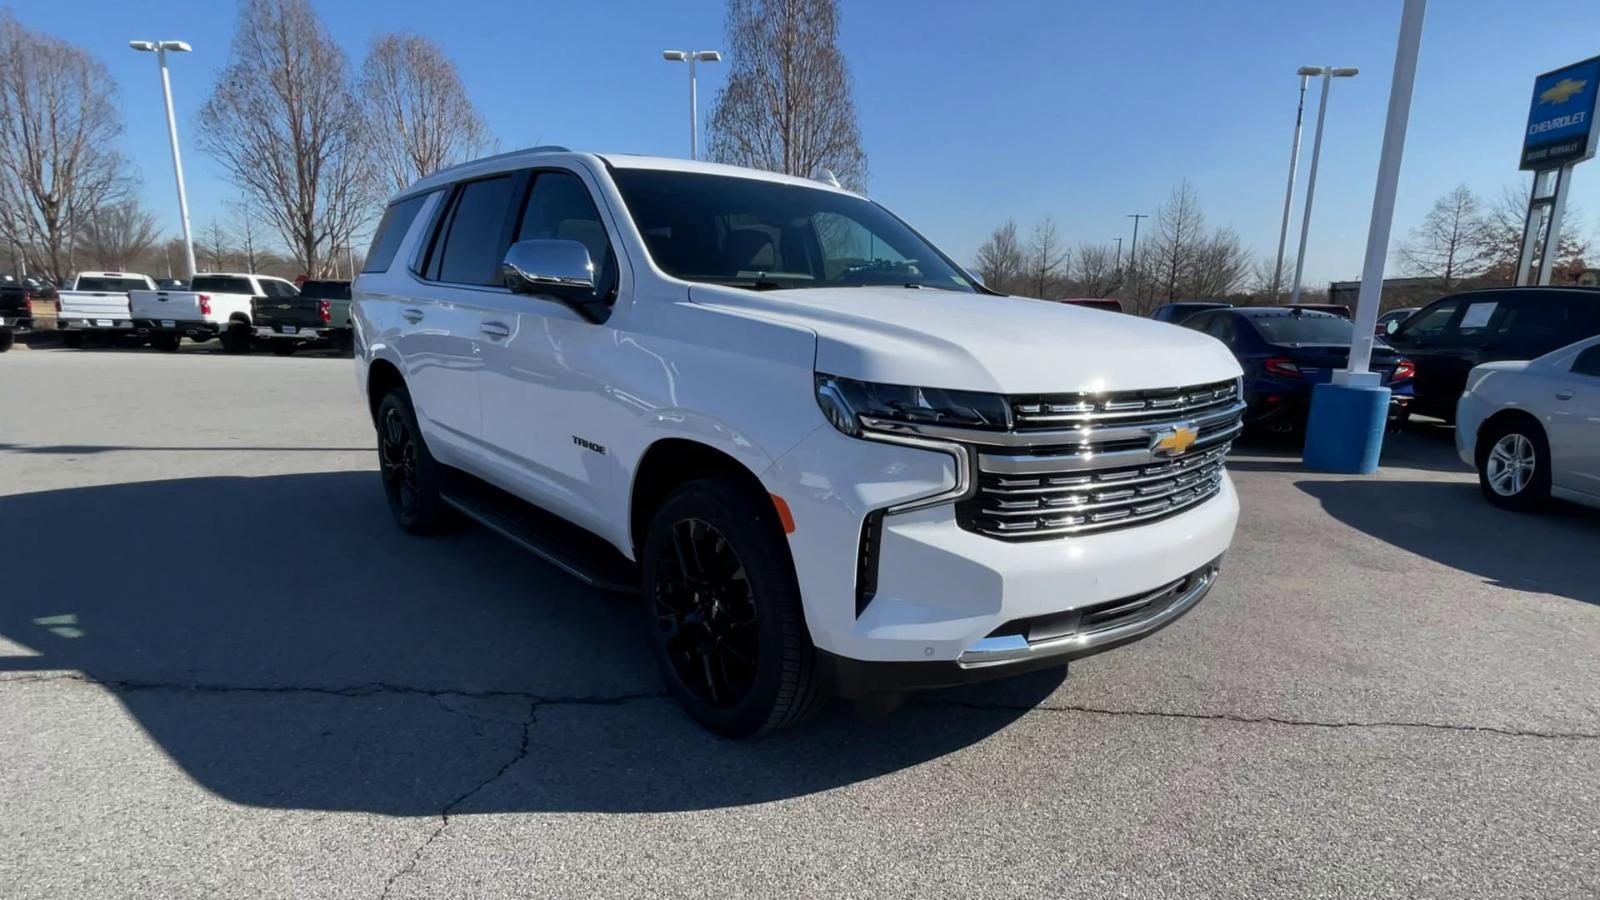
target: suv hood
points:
(978, 342)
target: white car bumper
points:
(945, 594)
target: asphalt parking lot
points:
(225, 672)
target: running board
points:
(581, 554)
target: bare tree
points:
(999, 261)
(1503, 222)
(787, 105)
(214, 245)
(116, 235)
(59, 125)
(420, 117)
(285, 125)
(244, 210)
(1177, 243)
(1047, 258)
(1094, 270)
(1451, 244)
(1219, 267)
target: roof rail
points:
(542, 148)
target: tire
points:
(1514, 465)
(7, 338)
(72, 340)
(411, 476)
(723, 611)
(166, 342)
(236, 338)
(284, 348)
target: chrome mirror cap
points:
(548, 267)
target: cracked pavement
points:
(223, 672)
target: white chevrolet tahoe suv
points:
(831, 461)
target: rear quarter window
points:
(391, 231)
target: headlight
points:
(845, 401)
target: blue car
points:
(1284, 351)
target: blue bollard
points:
(1345, 431)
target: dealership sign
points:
(1561, 128)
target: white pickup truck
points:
(215, 305)
(96, 303)
(828, 459)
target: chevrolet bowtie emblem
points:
(1562, 91)
(1173, 441)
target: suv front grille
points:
(1100, 465)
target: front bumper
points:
(942, 594)
(1014, 654)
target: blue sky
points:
(971, 112)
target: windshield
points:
(101, 283)
(1304, 328)
(766, 235)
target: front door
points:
(1575, 423)
(544, 398)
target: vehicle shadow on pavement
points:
(1428, 447)
(1450, 522)
(286, 645)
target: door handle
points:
(495, 329)
(1564, 395)
(412, 315)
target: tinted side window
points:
(559, 208)
(1430, 322)
(391, 231)
(1201, 322)
(1588, 362)
(475, 238)
(220, 284)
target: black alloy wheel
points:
(723, 609)
(706, 614)
(411, 477)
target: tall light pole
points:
(1305, 74)
(160, 49)
(1328, 73)
(1119, 255)
(691, 57)
(1133, 248)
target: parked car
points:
(1109, 304)
(95, 304)
(319, 315)
(1391, 320)
(1451, 335)
(41, 288)
(659, 374)
(1532, 429)
(1286, 350)
(1337, 309)
(216, 305)
(16, 309)
(1177, 312)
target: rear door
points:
(1427, 339)
(441, 336)
(1575, 423)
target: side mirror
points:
(560, 269)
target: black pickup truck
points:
(321, 314)
(16, 311)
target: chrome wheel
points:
(397, 460)
(705, 614)
(1511, 464)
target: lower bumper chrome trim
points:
(1012, 648)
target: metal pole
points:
(1288, 192)
(1133, 249)
(1119, 255)
(177, 161)
(1552, 229)
(1311, 183)
(1394, 146)
(694, 113)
